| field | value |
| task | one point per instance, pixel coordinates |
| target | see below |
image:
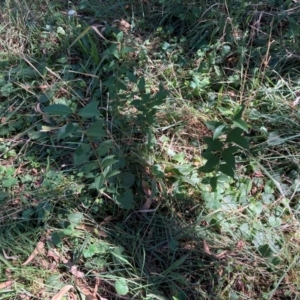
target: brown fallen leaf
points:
(8, 274)
(146, 188)
(106, 220)
(217, 256)
(24, 297)
(124, 26)
(148, 194)
(9, 257)
(62, 292)
(92, 230)
(40, 248)
(222, 254)
(53, 254)
(240, 245)
(74, 271)
(97, 284)
(206, 247)
(72, 296)
(72, 268)
(295, 102)
(85, 289)
(44, 264)
(94, 27)
(6, 284)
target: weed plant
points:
(148, 149)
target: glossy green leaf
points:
(235, 136)
(212, 125)
(58, 110)
(218, 131)
(142, 84)
(241, 124)
(112, 173)
(213, 183)
(210, 165)
(232, 149)
(228, 157)
(131, 77)
(99, 182)
(206, 169)
(238, 114)
(227, 170)
(213, 145)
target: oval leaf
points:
(228, 157)
(256, 208)
(96, 130)
(274, 139)
(126, 199)
(212, 125)
(218, 131)
(90, 251)
(121, 287)
(3, 195)
(75, 218)
(89, 111)
(238, 112)
(58, 110)
(212, 162)
(265, 250)
(65, 131)
(62, 292)
(213, 183)
(108, 161)
(241, 124)
(227, 170)
(236, 137)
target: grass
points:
(110, 188)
